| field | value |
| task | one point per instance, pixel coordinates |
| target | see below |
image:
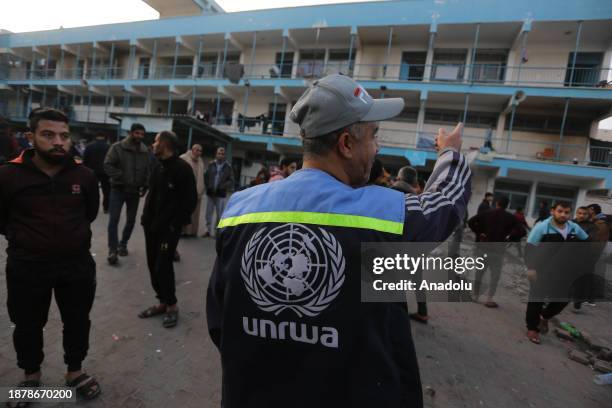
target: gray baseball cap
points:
(337, 101)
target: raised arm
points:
(433, 215)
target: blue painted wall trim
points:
(335, 15)
(574, 93)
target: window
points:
(279, 119)
(442, 116)
(516, 191)
(413, 66)
(134, 101)
(409, 114)
(481, 119)
(311, 63)
(550, 124)
(448, 64)
(284, 68)
(552, 193)
(587, 70)
(338, 62)
(144, 68)
(208, 65)
(489, 65)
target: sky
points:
(35, 15)
(19, 16)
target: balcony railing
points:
(494, 74)
(393, 135)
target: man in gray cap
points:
(283, 301)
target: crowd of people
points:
(266, 235)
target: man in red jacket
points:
(47, 202)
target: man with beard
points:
(171, 200)
(286, 167)
(127, 164)
(548, 267)
(47, 202)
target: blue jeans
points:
(117, 198)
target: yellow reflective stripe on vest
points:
(333, 220)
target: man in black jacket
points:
(493, 226)
(171, 200)
(47, 202)
(93, 157)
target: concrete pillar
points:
(573, 67)
(153, 64)
(433, 30)
(471, 58)
(132, 61)
(421, 114)
(387, 56)
(177, 47)
(196, 60)
(253, 47)
(581, 199)
(531, 200)
(351, 45)
(499, 131)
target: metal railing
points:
(495, 74)
(392, 134)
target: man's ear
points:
(345, 145)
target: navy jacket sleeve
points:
(214, 298)
(433, 215)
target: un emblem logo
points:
(292, 267)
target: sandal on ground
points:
(533, 336)
(170, 319)
(491, 304)
(543, 325)
(24, 384)
(152, 311)
(419, 318)
(86, 386)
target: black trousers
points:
(547, 311)
(105, 184)
(161, 246)
(29, 289)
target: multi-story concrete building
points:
(530, 79)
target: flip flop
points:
(533, 336)
(151, 311)
(170, 319)
(86, 386)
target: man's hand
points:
(531, 275)
(452, 140)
